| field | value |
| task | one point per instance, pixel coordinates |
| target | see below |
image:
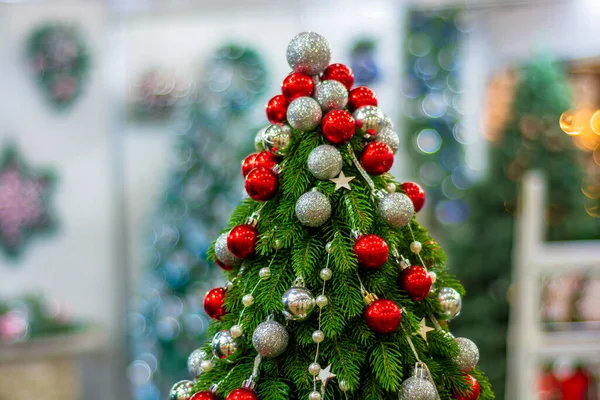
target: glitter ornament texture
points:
(195, 362)
(298, 302)
(304, 114)
(270, 339)
(396, 209)
(340, 73)
(389, 136)
(222, 251)
(331, 95)
(468, 355)
(226, 347)
(417, 388)
(450, 303)
(308, 53)
(313, 209)
(325, 162)
(182, 390)
(277, 138)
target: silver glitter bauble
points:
(258, 139)
(468, 355)
(396, 209)
(417, 388)
(182, 390)
(325, 162)
(226, 347)
(304, 114)
(369, 118)
(388, 123)
(313, 209)
(389, 136)
(298, 301)
(308, 53)
(314, 396)
(277, 139)
(270, 339)
(195, 362)
(450, 303)
(222, 252)
(331, 95)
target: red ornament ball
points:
(474, 392)
(224, 266)
(371, 251)
(241, 241)
(360, 97)
(297, 85)
(277, 109)
(249, 164)
(377, 158)
(265, 159)
(242, 394)
(213, 302)
(205, 395)
(262, 184)
(416, 281)
(415, 193)
(340, 73)
(338, 126)
(383, 316)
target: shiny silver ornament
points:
(389, 136)
(417, 388)
(258, 139)
(304, 114)
(270, 339)
(313, 209)
(298, 301)
(325, 162)
(331, 95)
(222, 252)
(396, 209)
(277, 139)
(226, 347)
(369, 118)
(388, 122)
(182, 390)
(450, 303)
(195, 362)
(468, 355)
(308, 53)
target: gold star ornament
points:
(342, 181)
(423, 330)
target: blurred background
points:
(123, 123)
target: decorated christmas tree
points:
(480, 249)
(166, 321)
(335, 291)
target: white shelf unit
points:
(529, 344)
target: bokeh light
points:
(595, 122)
(429, 141)
(434, 105)
(571, 122)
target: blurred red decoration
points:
(297, 85)
(205, 395)
(248, 164)
(242, 394)
(360, 97)
(371, 251)
(265, 159)
(338, 126)
(262, 184)
(241, 240)
(277, 109)
(473, 392)
(223, 266)
(416, 282)
(213, 303)
(383, 316)
(415, 193)
(340, 73)
(377, 158)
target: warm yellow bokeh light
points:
(597, 155)
(595, 122)
(571, 122)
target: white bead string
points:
(419, 253)
(316, 359)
